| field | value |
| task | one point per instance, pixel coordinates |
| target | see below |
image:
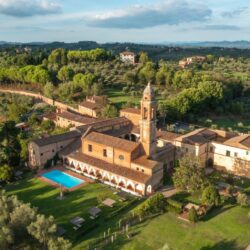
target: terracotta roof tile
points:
(145, 162)
(127, 53)
(123, 123)
(57, 138)
(77, 118)
(136, 130)
(72, 147)
(165, 135)
(131, 110)
(242, 141)
(112, 141)
(50, 116)
(91, 105)
(198, 136)
(103, 126)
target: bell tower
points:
(148, 120)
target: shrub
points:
(156, 203)
(174, 206)
(208, 122)
(243, 200)
(214, 126)
(101, 197)
(230, 179)
(240, 124)
(192, 215)
(174, 203)
(48, 164)
(174, 210)
(210, 196)
(55, 159)
(228, 199)
(153, 205)
(66, 191)
(5, 173)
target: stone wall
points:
(42, 98)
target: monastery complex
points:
(129, 152)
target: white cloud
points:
(26, 8)
(234, 13)
(170, 12)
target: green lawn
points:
(76, 203)
(117, 97)
(234, 123)
(228, 230)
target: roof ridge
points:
(244, 138)
(87, 131)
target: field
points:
(226, 229)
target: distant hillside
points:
(224, 44)
(167, 51)
(92, 44)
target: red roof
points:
(128, 53)
(112, 141)
(91, 105)
(131, 110)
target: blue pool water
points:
(62, 178)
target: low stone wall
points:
(44, 99)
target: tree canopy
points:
(9, 144)
(189, 175)
(210, 196)
(22, 226)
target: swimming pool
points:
(62, 178)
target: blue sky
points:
(124, 20)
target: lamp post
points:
(61, 192)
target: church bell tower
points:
(148, 120)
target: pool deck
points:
(66, 171)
